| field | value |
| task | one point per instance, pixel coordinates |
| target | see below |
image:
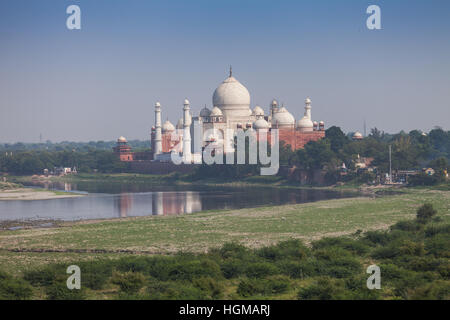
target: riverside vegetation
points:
(413, 255)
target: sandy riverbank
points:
(34, 194)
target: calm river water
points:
(114, 200)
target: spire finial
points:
(231, 71)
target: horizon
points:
(101, 82)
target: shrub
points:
(129, 282)
(323, 289)
(187, 270)
(209, 286)
(433, 230)
(95, 274)
(171, 290)
(410, 226)
(438, 290)
(351, 245)
(234, 250)
(251, 287)
(278, 284)
(59, 291)
(438, 245)
(260, 270)
(425, 213)
(286, 249)
(14, 288)
(45, 276)
(232, 269)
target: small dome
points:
(258, 111)
(283, 118)
(157, 104)
(168, 126)
(215, 112)
(186, 102)
(260, 124)
(305, 124)
(321, 123)
(315, 123)
(308, 101)
(205, 112)
(357, 135)
(121, 139)
(274, 103)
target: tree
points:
(425, 213)
(337, 138)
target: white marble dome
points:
(305, 124)
(168, 126)
(205, 112)
(258, 111)
(260, 124)
(283, 118)
(231, 93)
(121, 139)
(215, 112)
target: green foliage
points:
(425, 213)
(14, 288)
(414, 259)
(129, 282)
(249, 287)
(59, 291)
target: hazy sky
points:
(102, 81)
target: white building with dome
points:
(231, 109)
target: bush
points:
(438, 290)
(354, 246)
(286, 249)
(234, 250)
(129, 282)
(232, 269)
(187, 270)
(59, 291)
(278, 284)
(323, 289)
(260, 270)
(46, 276)
(410, 226)
(438, 245)
(13, 288)
(171, 290)
(425, 213)
(94, 275)
(209, 286)
(251, 287)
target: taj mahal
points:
(230, 111)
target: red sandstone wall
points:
(297, 139)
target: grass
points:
(255, 227)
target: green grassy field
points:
(256, 227)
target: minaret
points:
(158, 142)
(308, 108)
(187, 156)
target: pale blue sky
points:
(102, 81)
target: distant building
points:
(123, 150)
(357, 136)
(231, 110)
